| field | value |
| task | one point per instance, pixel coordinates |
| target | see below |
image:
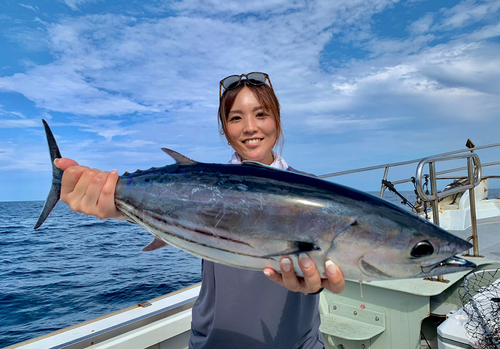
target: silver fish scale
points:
(217, 200)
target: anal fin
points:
(155, 245)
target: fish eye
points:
(422, 249)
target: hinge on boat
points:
(144, 304)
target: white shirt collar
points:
(278, 162)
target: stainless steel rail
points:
(473, 179)
(386, 166)
(402, 163)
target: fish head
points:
(378, 248)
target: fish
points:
(249, 215)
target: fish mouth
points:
(450, 265)
(447, 266)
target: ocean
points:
(75, 268)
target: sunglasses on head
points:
(233, 81)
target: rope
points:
(419, 199)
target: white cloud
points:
(108, 64)
(33, 39)
(333, 124)
(216, 7)
(14, 123)
(107, 129)
(29, 7)
(73, 4)
(486, 32)
(63, 89)
(468, 12)
(422, 25)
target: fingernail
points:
(114, 172)
(266, 273)
(56, 160)
(286, 265)
(331, 268)
(305, 260)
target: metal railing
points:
(473, 179)
(402, 163)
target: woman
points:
(236, 308)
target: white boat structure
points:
(377, 315)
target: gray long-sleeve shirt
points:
(240, 308)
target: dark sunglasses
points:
(233, 81)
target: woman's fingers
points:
(73, 186)
(310, 282)
(274, 276)
(335, 280)
(64, 163)
(106, 201)
(87, 190)
(311, 276)
(290, 280)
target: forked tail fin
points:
(55, 190)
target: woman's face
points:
(251, 130)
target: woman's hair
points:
(264, 94)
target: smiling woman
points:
(250, 119)
(251, 128)
(281, 309)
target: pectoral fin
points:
(296, 247)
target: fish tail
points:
(55, 190)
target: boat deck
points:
(488, 237)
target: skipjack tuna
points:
(250, 215)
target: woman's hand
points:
(87, 190)
(311, 282)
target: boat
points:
(407, 313)
(383, 314)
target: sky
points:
(360, 82)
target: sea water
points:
(75, 268)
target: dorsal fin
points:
(179, 158)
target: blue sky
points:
(361, 82)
